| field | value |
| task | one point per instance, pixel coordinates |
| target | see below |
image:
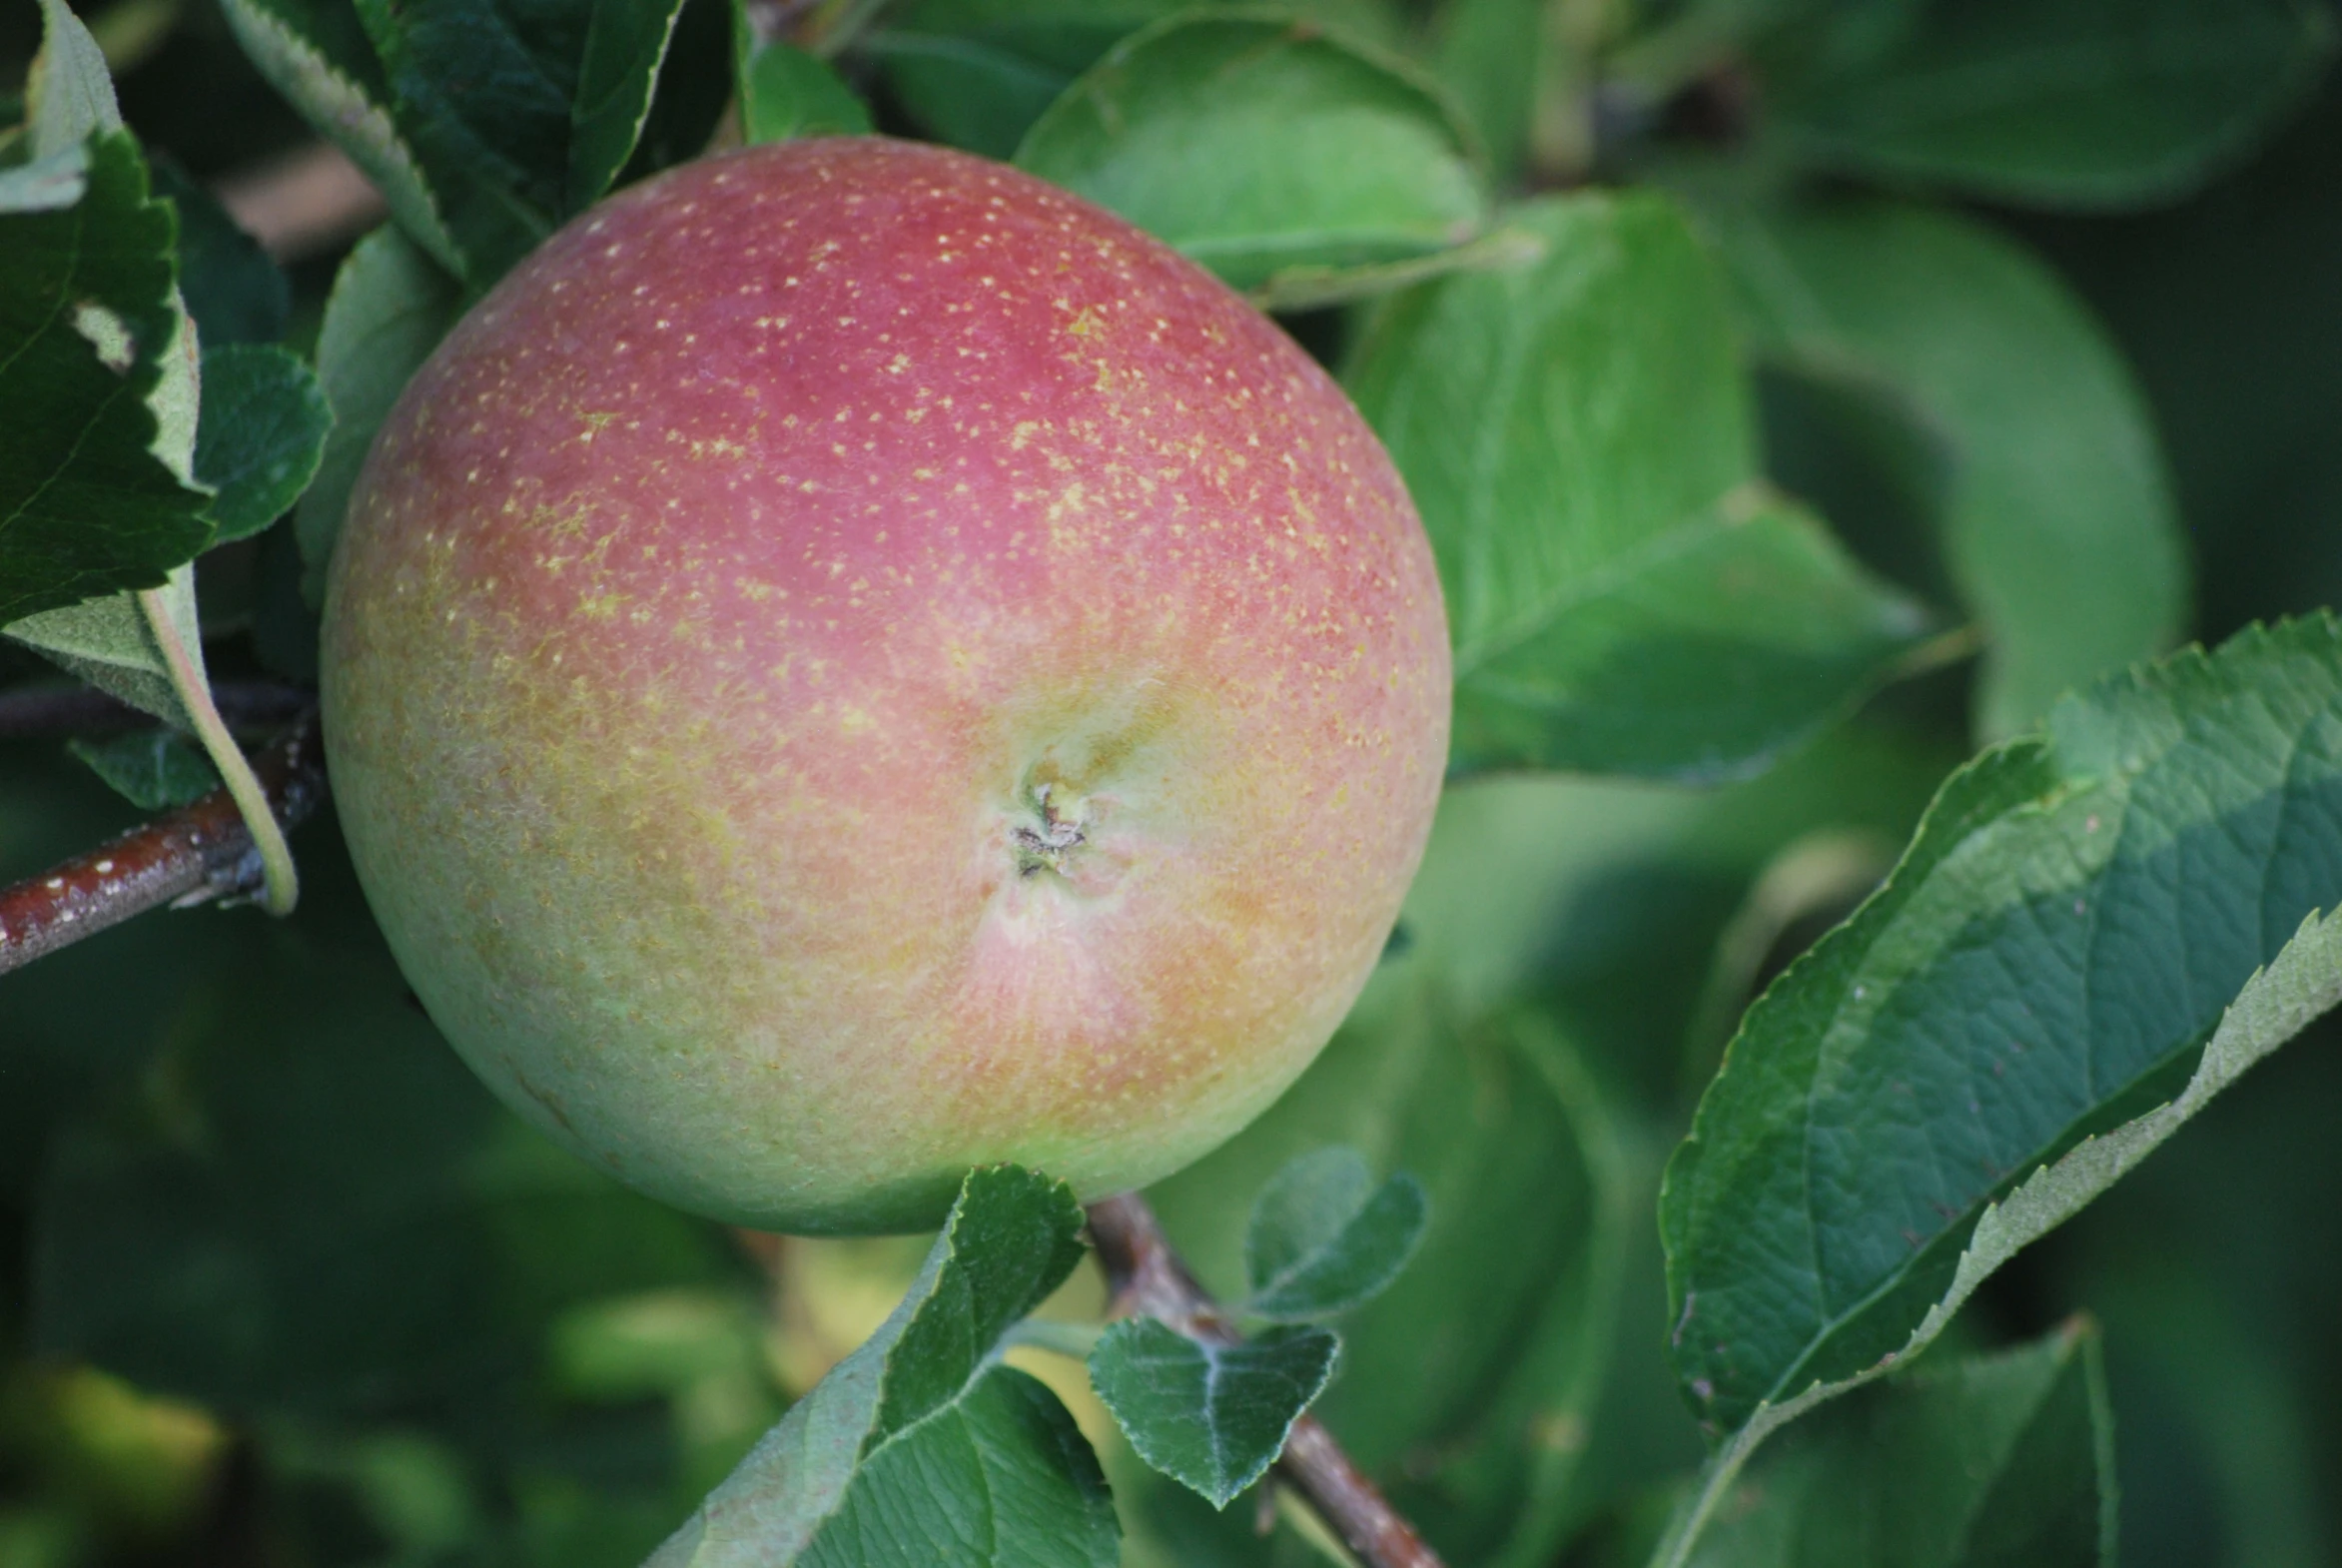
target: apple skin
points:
(853, 664)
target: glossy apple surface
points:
(852, 663)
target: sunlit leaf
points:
(1257, 146)
(1966, 1061)
(921, 1446)
(1578, 434)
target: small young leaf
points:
(1499, 1332)
(1256, 145)
(786, 93)
(388, 308)
(2055, 513)
(1998, 1459)
(2054, 103)
(263, 427)
(1963, 1063)
(152, 769)
(1578, 434)
(921, 1446)
(1324, 1238)
(1213, 1418)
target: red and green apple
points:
(852, 663)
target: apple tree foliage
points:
(1833, 422)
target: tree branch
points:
(1148, 1278)
(187, 857)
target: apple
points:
(852, 663)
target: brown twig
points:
(37, 712)
(1148, 1278)
(191, 856)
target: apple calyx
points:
(1047, 847)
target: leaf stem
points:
(1147, 1277)
(282, 888)
(199, 853)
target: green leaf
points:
(971, 89)
(625, 44)
(694, 86)
(1452, 1382)
(921, 1446)
(96, 373)
(1259, 144)
(2055, 513)
(1323, 1237)
(1578, 435)
(316, 53)
(1964, 1063)
(483, 124)
(263, 427)
(1211, 1417)
(389, 308)
(1490, 55)
(152, 769)
(787, 93)
(110, 643)
(1994, 1460)
(69, 96)
(1512, 1381)
(518, 118)
(977, 73)
(482, 96)
(233, 290)
(2056, 103)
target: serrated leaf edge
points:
(339, 107)
(2281, 998)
